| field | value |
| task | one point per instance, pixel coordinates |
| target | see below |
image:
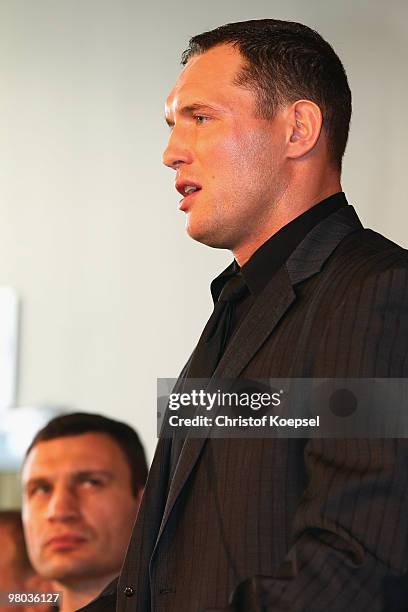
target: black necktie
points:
(213, 340)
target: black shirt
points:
(270, 256)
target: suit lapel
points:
(258, 324)
(307, 260)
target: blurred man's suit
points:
(321, 523)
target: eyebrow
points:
(190, 109)
(92, 474)
(76, 476)
(36, 481)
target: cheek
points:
(34, 541)
(242, 156)
(232, 149)
(32, 527)
(112, 515)
(221, 153)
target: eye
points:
(92, 483)
(200, 119)
(39, 489)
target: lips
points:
(188, 190)
(187, 187)
(66, 541)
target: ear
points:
(305, 124)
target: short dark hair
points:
(81, 422)
(287, 61)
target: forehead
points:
(88, 451)
(210, 74)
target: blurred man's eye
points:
(92, 483)
(39, 489)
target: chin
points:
(64, 570)
(207, 235)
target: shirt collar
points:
(270, 256)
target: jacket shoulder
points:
(366, 253)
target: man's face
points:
(78, 508)
(219, 144)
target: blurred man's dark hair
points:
(124, 435)
(285, 62)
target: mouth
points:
(66, 542)
(188, 190)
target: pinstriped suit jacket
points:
(337, 510)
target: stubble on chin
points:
(212, 235)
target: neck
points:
(78, 595)
(294, 201)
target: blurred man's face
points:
(219, 145)
(78, 507)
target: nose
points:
(63, 505)
(179, 150)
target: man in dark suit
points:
(259, 121)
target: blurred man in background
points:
(83, 480)
(16, 572)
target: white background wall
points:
(113, 292)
